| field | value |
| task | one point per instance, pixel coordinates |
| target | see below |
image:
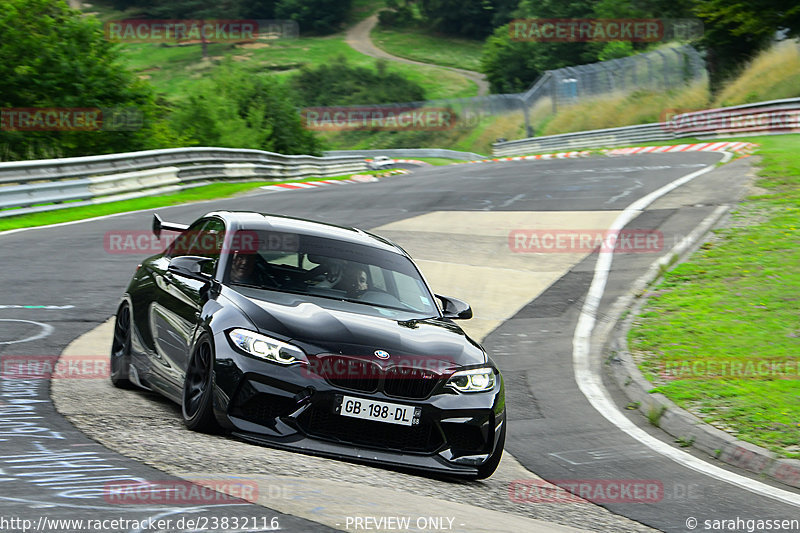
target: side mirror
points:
(190, 266)
(455, 309)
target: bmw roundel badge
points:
(381, 354)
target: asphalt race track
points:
(61, 282)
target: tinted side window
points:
(182, 244)
(203, 238)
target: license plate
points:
(393, 413)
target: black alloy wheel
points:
(121, 349)
(198, 390)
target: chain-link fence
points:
(665, 68)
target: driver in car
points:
(243, 267)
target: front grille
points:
(361, 375)
(407, 382)
(350, 373)
(323, 423)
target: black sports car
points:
(310, 337)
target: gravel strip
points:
(148, 428)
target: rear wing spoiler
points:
(159, 225)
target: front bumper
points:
(294, 408)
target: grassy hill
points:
(172, 69)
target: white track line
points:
(590, 381)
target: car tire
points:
(120, 358)
(488, 468)
(198, 390)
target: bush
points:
(342, 84)
(402, 17)
(237, 109)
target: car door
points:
(179, 299)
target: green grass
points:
(464, 138)
(773, 74)
(212, 191)
(428, 48)
(173, 69)
(625, 109)
(737, 301)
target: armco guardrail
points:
(409, 153)
(96, 179)
(776, 116)
(287, 166)
(583, 140)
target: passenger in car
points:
(354, 281)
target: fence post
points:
(663, 67)
(525, 113)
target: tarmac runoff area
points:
(467, 257)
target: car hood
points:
(357, 330)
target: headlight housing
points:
(266, 348)
(475, 380)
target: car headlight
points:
(265, 347)
(476, 380)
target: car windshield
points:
(328, 268)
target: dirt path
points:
(358, 39)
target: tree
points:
(238, 109)
(512, 65)
(314, 16)
(51, 56)
(465, 18)
(736, 30)
(754, 17)
(185, 9)
(509, 66)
